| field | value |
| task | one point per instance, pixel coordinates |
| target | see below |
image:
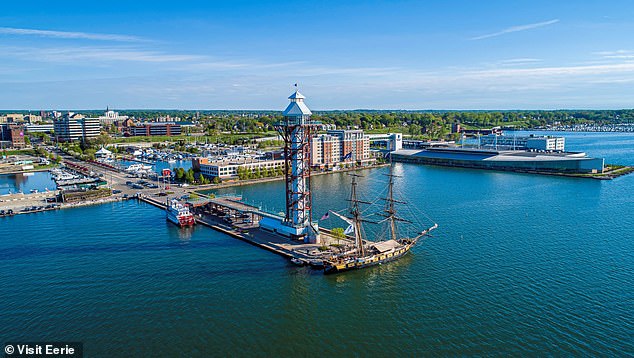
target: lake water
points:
(13, 183)
(520, 265)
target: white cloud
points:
(618, 54)
(520, 61)
(519, 28)
(69, 35)
(92, 53)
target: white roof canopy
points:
(297, 109)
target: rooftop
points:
(297, 109)
(296, 95)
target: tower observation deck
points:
(296, 129)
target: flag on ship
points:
(347, 156)
(326, 216)
(349, 230)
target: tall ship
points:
(179, 214)
(389, 245)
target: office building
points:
(12, 135)
(74, 126)
(156, 128)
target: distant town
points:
(112, 155)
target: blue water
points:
(14, 183)
(520, 265)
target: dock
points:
(250, 232)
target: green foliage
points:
(189, 176)
(179, 174)
(338, 232)
(201, 179)
(90, 153)
(16, 152)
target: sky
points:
(455, 54)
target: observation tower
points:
(296, 130)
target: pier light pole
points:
(295, 130)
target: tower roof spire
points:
(296, 95)
(297, 107)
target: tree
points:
(201, 178)
(180, 174)
(241, 173)
(102, 140)
(338, 233)
(414, 129)
(90, 153)
(189, 176)
(217, 180)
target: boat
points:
(138, 167)
(365, 253)
(179, 214)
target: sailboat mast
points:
(355, 212)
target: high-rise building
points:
(75, 126)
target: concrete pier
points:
(250, 232)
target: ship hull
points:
(332, 268)
(182, 221)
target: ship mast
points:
(389, 212)
(356, 216)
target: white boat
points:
(179, 214)
(138, 167)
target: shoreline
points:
(197, 188)
(21, 171)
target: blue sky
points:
(344, 54)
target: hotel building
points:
(339, 146)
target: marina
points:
(40, 181)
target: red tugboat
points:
(179, 214)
